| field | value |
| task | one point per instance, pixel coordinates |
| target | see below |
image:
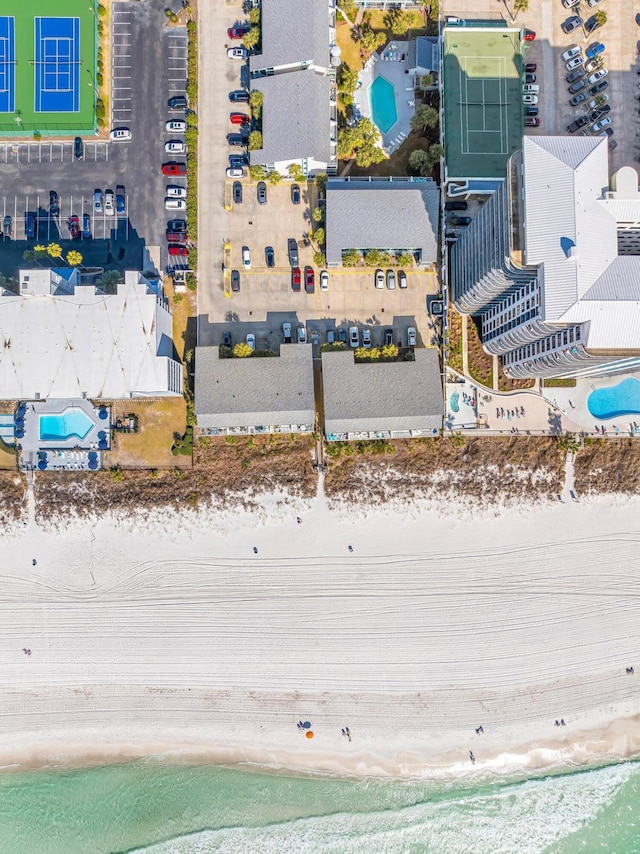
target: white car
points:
(593, 3)
(569, 4)
(237, 52)
(598, 101)
(575, 62)
(172, 191)
(530, 100)
(302, 335)
(402, 279)
(569, 54)
(354, 336)
(109, 208)
(175, 204)
(379, 279)
(366, 338)
(177, 125)
(120, 135)
(598, 75)
(411, 337)
(601, 125)
(324, 281)
(235, 172)
(175, 146)
(530, 88)
(246, 257)
(251, 340)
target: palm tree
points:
(108, 278)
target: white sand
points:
(174, 636)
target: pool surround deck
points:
(31, 443)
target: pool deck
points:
(63, 453)
(392, 67)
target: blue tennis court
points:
(57, 68)
(7, 65)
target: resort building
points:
(296, 73)
(381, 400)
(60, 339)
(391, 214)
(255, 395)
(551, 263)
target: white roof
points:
(86, 343)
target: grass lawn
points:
(8, 458)
(150, 447)
(454, 332)
(350, 50)
(184, 333)
(397, 164)
(416, 25)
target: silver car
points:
(109, 200)
(354, 336)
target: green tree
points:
(601, 18)
(256, 99)
(423, 118)
(373, 258)
(40, 251)
(252, 38)
(320, 180)
(397, 21)
(350, 258)
(242, 350)
(108, 278)
(349, 8)
(54, 250)
(319, 259)
(74, 258)
(520, 6)
(274, 177)
(319, 236)
(317, 215)
(347, 80)
(346, 142)
(404, 259)
(426, 81)
(418, 160)
(346, 98)
(295, 171)
(257, 172)
(360, 142)
(255, 141)
(370, 40)
(436, 153)
(29, 255)
(254, 15)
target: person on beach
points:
(472, 757)
(255, 550)
(348, 732)
(350, 548)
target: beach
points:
(168, 635)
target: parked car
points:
(74, 227)
(97, 201)
(176, 237)
(379, 279)
(177, 102)
(239, 119)
(238, 31)
(391, 281)
(308, 280)
(174, 168)
(331, 336)
(295, 194)
(302, 335)
(120, 135)
(531, 111)
(571, 24)
(179, 251)
(606, 132)
(354, 336)
(172, 191)
(295, 279)
(237, 193)
(529, 99)
(459, 220)
(177, 225)
(593, 3)
(109, 203)
(594, 50)
(599, 112)
(599, 101)
(251, 340)
(591, 24)
(593, 65)
(286, 333)
(580, 122)
(246, 257)
(568, 4)
(575, 62)
(234, 172)
(238, 96)
(578, 99)
(602, 72)
(366, 338)
(411, 337)
(237, 53)
(388, 337)
(269, 256)
(175, 204)
(30, 226)
(612, 144)
(292, 251)
(236, 139)
(456, 206)
(175, 126)
(238, 161)
(528, 35)
(530, 68)
(121, 206)
(226, 340)
(324, 280)
(402, 279)
(86, 226)
(54, 204)
(599, 87)
(175, 146)
(531, 122)
(342, 334)
(78, 148)
(7, 227)
(601, 125)
(235, 281)
(529, 78)
(262, 193)
(530, 88)
(576, 74)
(578, 86)
(574, 50)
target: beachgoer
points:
(298, 520)
(557, 723)
(562, 723)
(472, 757)
(255, 550)
(350, 548)
(34, 562)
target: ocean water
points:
(170, 809)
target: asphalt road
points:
(148, 67)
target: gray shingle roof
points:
(255, 391)
(393, 396)
(382, 214)
(293, 31)
(423, 53)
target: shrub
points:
(404, 259)
(255, 141)
(274, 177)
(317, 215)
(100, 78)
(257, 173)
(100, 29)
(100, 109)
(242, 350)
(191, 281)
(319, 259)
(37, 134)
(350, 258)
(117, 474)
(101, 123)
(254, 15)
(102, 11)
(319, 236)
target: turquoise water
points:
(616, 401)
(382, 99)
(71, 422)
(159, 809)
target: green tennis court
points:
(483, 111)
(47, 68)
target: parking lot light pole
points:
(92, 8)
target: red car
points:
(176, 237)
(528, 35)
(239, 119)
(295, 279)
(308, 279)
(531, 122)
(178, 250)
(74, 227)
(237, 31)
(174, 168)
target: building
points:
(296, 73)
(424, 56)
(381, 400)
(551, 264)
(64, 340)
(391, 214)
(255, 395)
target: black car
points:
(226, 339)
(599, 87)
(178, 102)
(236, 139)
(580, 122)
(78, 148)
(7, 227)
(578, 99)
(237, 161)
(576, 74)
(459, 220)
(531, 111)
(388, 336)
(237, 193)
(292, 249)
(599, 113)
(177, 225)
(591, 24)
(269, 256)
(295, 194)
(239, 96)
(529, 78)
(455, 206)
(578, 86)
(54, 204)
(342, 334)
(572, 24)
(235, 281)
(262, 193)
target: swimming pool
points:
(65, 425)
(615, 401)
(382, 100)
